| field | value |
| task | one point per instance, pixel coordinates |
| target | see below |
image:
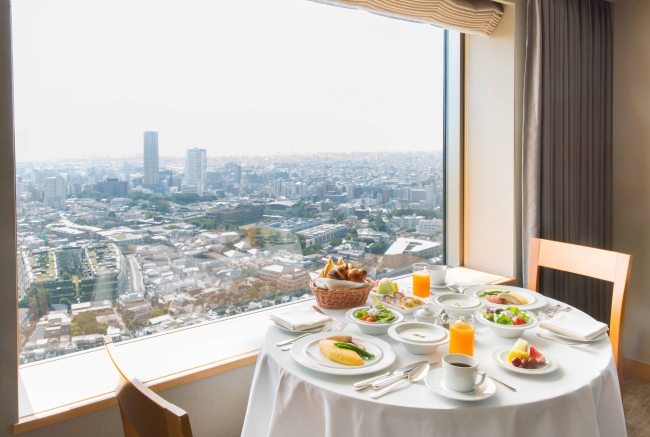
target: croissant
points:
(357, 275)
(338, 272)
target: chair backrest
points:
(144, 413)
(596, 263)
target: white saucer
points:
(434, 380)
(442, 287)
(501, 358)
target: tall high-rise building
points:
(238, 174)
(196, 165)
(55, 192)
(151, 176)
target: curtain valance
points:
(469, 16)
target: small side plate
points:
(501, 355)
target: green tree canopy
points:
(378, 248)
(336, 242)
(85, 323)
(161, 205)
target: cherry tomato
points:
(370, 319)
(364, 318)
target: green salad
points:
(379, 313)
(506, 316)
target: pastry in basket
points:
(357, 275)
(339, 272)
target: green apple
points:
(385, 287)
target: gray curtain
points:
(567, 139)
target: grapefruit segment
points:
(534, 353)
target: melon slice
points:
(521, 345)
(534, 353)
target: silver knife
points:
(396, 377)
(399, 372)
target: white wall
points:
(631, 165)
(494, 83)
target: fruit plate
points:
(307, 353)
(396, 308)
(501, 358)
(535, 300)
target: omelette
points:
(343, 356)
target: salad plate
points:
(307, 353)
(533, 299)
(507, 330)
(382, 318)
(434, 380)
(501, 358)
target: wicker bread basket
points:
(343, 298)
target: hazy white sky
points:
(234, 77)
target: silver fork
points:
(327, 328)
(557, 340)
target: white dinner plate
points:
(600, 337)
(434, 380)
(312, 331)
(535, 300)
(501, 358)
(306, 352)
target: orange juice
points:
(421, 283)
(461, 338)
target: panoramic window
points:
(186, 161)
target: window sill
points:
(86, 381)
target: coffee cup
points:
(460, 373)
(438, 275)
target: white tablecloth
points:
(580, 399)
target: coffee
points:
(460, 364)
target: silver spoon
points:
(460, 289)
(414, 376)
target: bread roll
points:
(357, 275)
(339, 272)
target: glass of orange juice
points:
(421, 281)
(461, 333)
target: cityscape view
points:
(208, 157)
(131, 247)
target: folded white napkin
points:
(580, 328)
(337, 284)
(300, 319)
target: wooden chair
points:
(144, 413)
(596, 263)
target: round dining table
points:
(580, 399)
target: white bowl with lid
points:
(419, 338)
